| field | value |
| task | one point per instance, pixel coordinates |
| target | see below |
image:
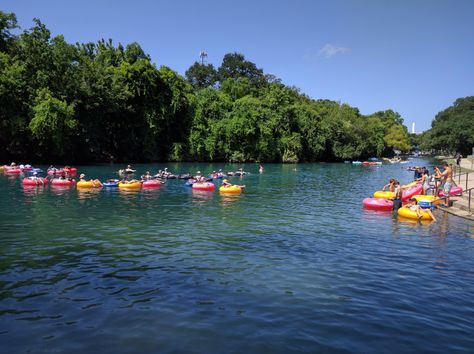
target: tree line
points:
(96, 102)
(452, 130)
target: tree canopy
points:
(452, 130)
(99, 101)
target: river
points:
(293, 265)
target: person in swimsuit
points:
(397, 201)
(447, 179)
(417, 207)
(390, 185)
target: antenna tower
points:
(203, 56)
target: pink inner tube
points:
(57, 171)
(453, 191)
(62, 182)
(27, 181)
(411, 191)
(13, 171)
(152, 183)
(204, 186)
(378, 203)
(70, 170)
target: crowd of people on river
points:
(432, 183)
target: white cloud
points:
(330, 50)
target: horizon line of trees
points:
(452, 130)
(95, 102)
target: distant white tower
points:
(413, 128)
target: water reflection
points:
(226, 200)
(88, 193)
(32, 191)
(61, 190)
(202, 197)
(129, 193)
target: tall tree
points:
(201, 75)
(235, 66)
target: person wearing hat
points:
(82, 177)
(226, 183)
(129, 169)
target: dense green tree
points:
(201, 75)
(101, 101)
(452, 130)
(8, 23)
(235, 66)
(397, 138)
(52, 124)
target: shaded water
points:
(295, 264)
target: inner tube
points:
(111, 183)
(12, 171)
(378, 203)
(89, 184)
(32, 181)
(406, 212)
(411, 191)
(384, 195)
(232, 189)
(204, 186)
(56, 171)
(427, 201)
(410, 184)
(63, 182)
(130, 185)
(152, 183)
(70, 170)
(454, 190)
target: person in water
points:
(260, 169)
(397, 200)
(226, 183)
(129, 169)
(390, 185)
(413, 205)
(37, 179)
(447, 180)
(82, 177)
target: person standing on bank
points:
(458, 159)
(447, 181)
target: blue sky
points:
(413, 56)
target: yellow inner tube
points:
(406, 212)
(233, 189)
(428, 198)
(384, 195)
(89, 184)
(130, 185)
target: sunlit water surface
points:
(295, 264)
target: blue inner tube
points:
(110, 184)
